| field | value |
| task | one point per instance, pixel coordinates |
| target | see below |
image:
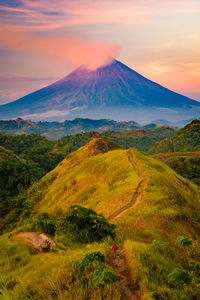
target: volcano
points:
(113, 91)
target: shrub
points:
(195, 265)
(102, 277)
(158, 296)
(92, 257)
(179, 277)
(86, 225)
(92, 272)
(184, 240)
(45, 224)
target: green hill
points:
(186, 139)
(156, 213)
(187, 164)
(140, 139)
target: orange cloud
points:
(67, 49)
(183, 78)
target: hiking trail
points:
(129, 287)
(137, 196)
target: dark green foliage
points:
(91, 258)
(45, 224)
(71, 143)
(179, 277)
(86, 225)
(188, 167)
(92, 271)
(187, 164)
(16, 176)
(184, 240)
(140, 139)
(102, 277)
(186, 139)
(44, 153)
(158, 296)
(195, 265)
(33, 148)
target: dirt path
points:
(137, 196)
(129, 288)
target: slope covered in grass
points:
(157, 236)
(93, 177)
(186, 139)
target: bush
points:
(92, 271)
(179, 277)
(102, 277)
(45, 224)
(158, 296)
(91, 258)
(86, 225)
(195, 265)
(184, 240)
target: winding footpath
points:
(137, 196)
(129, 288)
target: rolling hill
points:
(186, 139)
(114, 91)
(140, 139)
(156, 212)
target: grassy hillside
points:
(140, 139)
(156, 212)
(187, 164)
(186, 139)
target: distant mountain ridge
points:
(55, 130)
(114, 91)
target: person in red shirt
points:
(114, 247)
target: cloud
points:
(53, 113)
(182, 77)
(48, 114)
(67, 49)
(49, 15)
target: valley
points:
(153, 208)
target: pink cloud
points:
(67, 49)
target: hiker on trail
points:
(114, 247)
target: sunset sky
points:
(42, 41)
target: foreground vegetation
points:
(158, 238)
